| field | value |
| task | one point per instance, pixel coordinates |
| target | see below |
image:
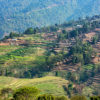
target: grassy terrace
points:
(7, 49)
(10, 55)
(34, 37)
(49, 84)
(19, 56)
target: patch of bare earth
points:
(97, 50)
(89, 36)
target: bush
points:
(30, 31)
(5, 93)
(61, 98)
(95, 98)
(78, 98)
(13, 34)
(25, 93)
(46, 97)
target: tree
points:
(95, 39)
(69, 74)
(13, 34)
(86, 28)
(30, 31)
(77, 58)
(84, 76)
(64, 31)
(25, 93)
(87, 57)
(81, 53)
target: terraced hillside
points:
(92, 85)
(69, 50)
(97, 49)
(16, 55)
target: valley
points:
(23, 14)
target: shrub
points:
(78, 98)
(5, 93)
(95, 98)
(25, 93)
(46, 97)
(61, 98)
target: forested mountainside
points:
(17, 15)
(69, 50)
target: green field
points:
(11, 55)
(49, 84)
(7, 49)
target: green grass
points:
(51, 88)
(7, 49)
(19, 56)
(33, 38)
(88, 91)
(49, 84)
(88, 67)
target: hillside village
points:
(52, 37)
(52, 52)
(49, 49)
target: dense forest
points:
(16, 15)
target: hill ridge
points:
(19, 15)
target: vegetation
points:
(46, 85)
(82, 53)
(32, 93)
(46, 97)
(25, 93)
(69, 50)
(78, 98)
(95, 98)
(42, 13)
(30, 31)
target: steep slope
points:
(16, 15)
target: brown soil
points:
(89, 36)
(4, 44)
(97, 29)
